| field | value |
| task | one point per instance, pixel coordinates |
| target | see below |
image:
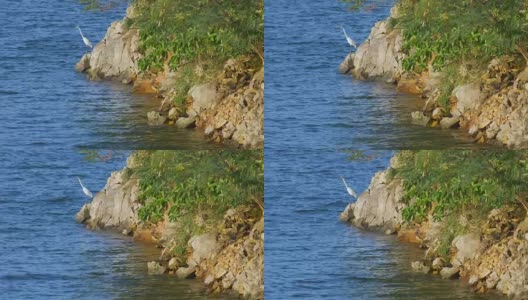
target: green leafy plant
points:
(446, 182)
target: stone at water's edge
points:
(155, 268)
(115, 57)
(115, 207)
(380, 56)
(379, 207)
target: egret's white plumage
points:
(85, 40)
(85, 190)
(349, 189)
(350, 41)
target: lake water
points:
(315, 118)
(50, 115)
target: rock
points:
(380, 206)
(203, 97)
(380, 56)
(115, 57)
(448, 273)
(447, 123)
(184, 273)
(185, 122)
(467, 246)
(155, 268)
(421, 267)
(116, 206)
(154, 118)
(419, 118)
(173, 114)
(483, 272)
(437, 114)
(83, 64)
(438, 264)
(202, 247)
(347, 64)
(173, 264)
(492, 280)
(473, 280)
(83, 214)
(467, 97)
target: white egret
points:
(349, 189)
(85, 190)
(85, 40)
(350, 41)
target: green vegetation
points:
(444, 183)
(453, 32)
(183, 182)
(184, 185)
(460, 188)
(194, 32)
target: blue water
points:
(45, 101)
(314, 117)
(49, 115)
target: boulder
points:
(421, 267)
(173, 264)
(116, 206)
(467, 246)
(467, 97)
(185, 272)
(115, 57)
(155, 268)
(83, 214)
(203, 97)
(448, 273)
(155, 118)
(447, 123)
(418, 118)
(185, 122)
(380, 56)
(173, 114)
(202, 247)
(380, 207)
(347, 65)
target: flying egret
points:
(85, 190)
(350, 41)
(349, 189)
(85, 40)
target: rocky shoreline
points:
(492, 109)
(228, 109)
(230, 257)
(493, 255)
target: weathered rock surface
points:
(239, 113)
(380, 56)
(115, 207)
(115, 57)
(379, 207)
(155, 268)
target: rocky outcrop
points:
(229, 108)
(379, 57)
(380, 207)
(115, 207)
(488, 254)
(227, 256)
(493, 108)
(238, 115)
(116, 56)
